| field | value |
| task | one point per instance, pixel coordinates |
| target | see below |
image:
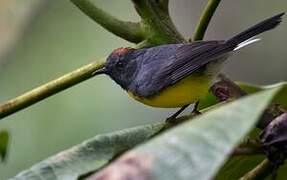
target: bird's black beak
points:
(103, 70)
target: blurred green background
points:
(59, 38)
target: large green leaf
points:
(196, 149)
(88, 156)
(219, 130)
(4, 140)
(240, 165)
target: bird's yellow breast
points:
(187, 91)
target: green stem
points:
(205, 19)
(49, 89)
(261, 171)
(129, 31)
(164, 4)
(156, 22)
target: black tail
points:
(261, 27)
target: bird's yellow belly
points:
(187, 91)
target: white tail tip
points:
(245, 43)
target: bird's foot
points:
(195, 112)
(172, 119)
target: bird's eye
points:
(119, 65)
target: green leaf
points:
(198, 148)
(88, 156)
(219, 130)
(281, 97)
(208, 101)
(238, 166)
(4, 140)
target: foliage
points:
(4, 141)
(89, 156)
(201, 147)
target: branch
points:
(261, 171)
(226, 89)
(247, 151)
(158, 26)
(249, 147)
(205, 19)
(129, 31)
(46, 90)
(164, 5)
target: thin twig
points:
(130, 31)
(49, 89)
(261, 171)
(205, 19)
(247, 151)
(248, 147)
(226, 89)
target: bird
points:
(176, 75)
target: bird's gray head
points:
(120, 66)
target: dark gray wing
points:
(165, 65)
